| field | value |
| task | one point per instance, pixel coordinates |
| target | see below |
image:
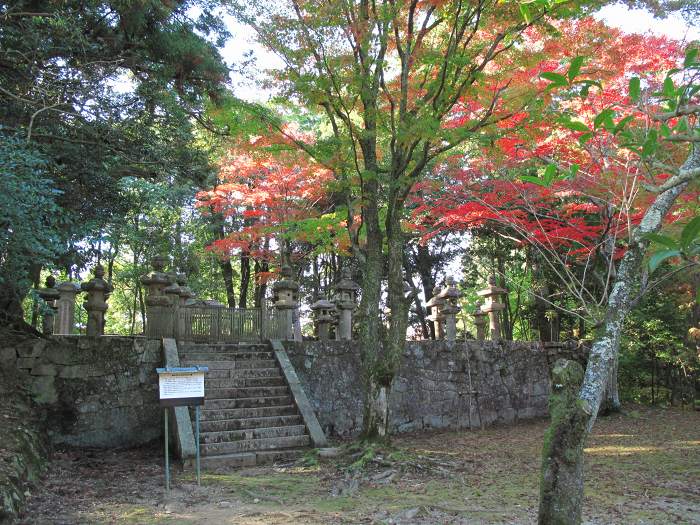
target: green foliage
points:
(686, 247)
(29, 216)
(101, 91)
(655, 348)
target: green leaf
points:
(656, 259)
(584, 91)
(585, 138)
(573, 171)
(555, 78)
(663, 240)
(691, 56)
(690, 232)
(550, 172)
(635, 89)
(621, 125)
(575, 68)
(669, 89)
(525, 12)
(602, 117)
(650, 144)
(534, 180)
(575, 125)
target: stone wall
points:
(23, 451)
(439, 384)
(94, 391)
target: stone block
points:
(64, 355)
(26, 362)
(43, 390)
(8, 357)
(31, 348)
(81, 371)
(44, 369)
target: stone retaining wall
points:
(95, 391)
(23, 451)
(439, 384)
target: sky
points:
(620, 16)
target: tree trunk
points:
(561, 477)
(374, 372)
(227, 272)
(507, 326)
(245, 279)
(604, 351)
(425, 270)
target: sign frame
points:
(174, 373)
(171, 402)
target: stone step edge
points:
(247, 459)
(242, 399)
(204, 447)
(301, 425)
(226, 426)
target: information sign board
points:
(181, 386)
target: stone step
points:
(243, 373)
(227, 356)
(228, 382)
(250, 445)
(247, 402)
(245, 392)
(252, 433)
(242, 364)
(248, 413)
(223, 348)
(249, 459)
(222, 425)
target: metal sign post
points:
(181, 387)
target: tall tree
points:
(387, 77)
(103, 90)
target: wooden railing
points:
(213, 324)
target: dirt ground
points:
(641, 467)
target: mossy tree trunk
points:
(560, 497)
(561, 478)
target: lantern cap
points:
(286, 283)
(450, 291)
(346, 283)
(322, 304)
(97, 283)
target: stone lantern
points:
(172, 292)
(285, 297)
(159, 321)
(323, 311)
(435, 304)
(98, 291)
(491, 306)
(480, 322)
(450, 308)
(186, 294)
(345, 299)
(50, 295)
(66, 307)
(155, 282)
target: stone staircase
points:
(249, 416)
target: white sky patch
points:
(243, 42)
(640, 21)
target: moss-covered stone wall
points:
(439, 384)
(94, 391)
(23, 447)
